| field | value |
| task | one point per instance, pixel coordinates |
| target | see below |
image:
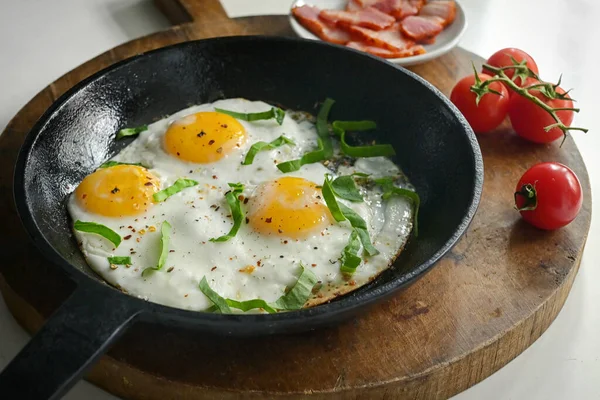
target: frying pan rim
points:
(342, 305)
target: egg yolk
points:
(117, 191)
(290, 207)
(204, 137)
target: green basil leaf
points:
(330, 200)
(298, 294)
(131, 131)
(236, 211)
(365, 239)
(120, 260)
(251, 305)
(361, 229)
(294, 299)
(386, 183)
(377, 150)
(324, 149)
(98, 229)
(177, 187)
(350, 259)
(290, 166)
(341, 212)
(344, 187)
(308, 158)
(323, 128)
(389, 190)
(165, 237)
(258, 146)
(279, 115)
(354, 125)
(109, 164)
(274, 112)
(219, 302)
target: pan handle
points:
(72, 339)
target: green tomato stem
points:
(481, 87)
(529, 193)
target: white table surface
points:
(41, 40)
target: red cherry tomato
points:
(529, 119)
(502, 58)
(549, 195)
(492, 108)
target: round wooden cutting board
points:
(486, 301)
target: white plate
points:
(444, 42)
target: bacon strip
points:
(390, 39)
(385, 53)
(446, 10)
(353, 6)
(368, 17)
(410, 7)
(308, 16)
(398, 9)
(421, 29)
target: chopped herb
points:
(258, 146)
(219, 302)
(131, 131)
(355, 125)
(324, 145)
(120, 260)
(250, 305)
(340, 212)
(274, 112)
(360, 226)
(389, 190)
(165, 237)
(376, 150)
(298, 294)
(350, 259)
(109, 164)
(236, 211)
(329, 197)
(177, 187)
(293, 299)
(344, 187)
(323, 128)
(98, 229)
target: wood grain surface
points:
(486, 301)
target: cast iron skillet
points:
(435, 146)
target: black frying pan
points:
(435, 147)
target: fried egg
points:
(287, 221)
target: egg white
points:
(200, 213)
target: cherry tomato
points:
(549, 195)
(502, 58)
(492, 108)
(529, 119)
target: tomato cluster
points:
(548, 195)
(527, 118)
